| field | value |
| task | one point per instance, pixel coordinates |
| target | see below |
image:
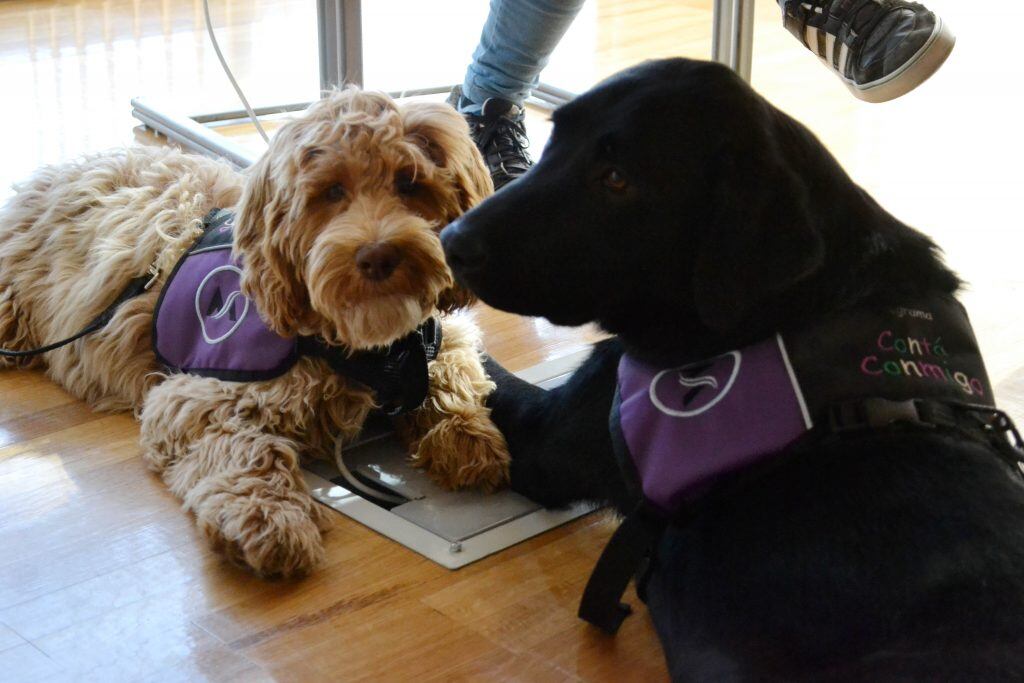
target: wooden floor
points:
(102, 577)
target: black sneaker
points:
(499, 131)
(882, 49)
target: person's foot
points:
(499, 131)
(882, 49)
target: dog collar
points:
(680, 429)
(396, 374)
(203, 325)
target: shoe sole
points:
(916, 71)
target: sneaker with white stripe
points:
(882, 49)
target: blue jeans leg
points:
(517, 40)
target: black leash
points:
(134, 288)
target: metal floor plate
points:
(451, 528)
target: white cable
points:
(351, 480)
(223, 63)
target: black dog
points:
(686, 215)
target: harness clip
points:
(874, 413)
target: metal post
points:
(732, 38)
(721, 31)
(743, 37)
(340, 40)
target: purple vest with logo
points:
(204, 325)
(679, 429)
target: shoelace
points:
(504, 137)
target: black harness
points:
(397, 375)
(857, 374)
(629, 552)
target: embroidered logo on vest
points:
(220, 317)
(693, 389)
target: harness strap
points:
(630, 546)
(397, 375)
(983, 423)
(633, 543)
(134, 288)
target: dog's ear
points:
(763, 237)
(444, 135)
(454, 298)
(262, 242)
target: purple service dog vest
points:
(679, 429)
(204, 325)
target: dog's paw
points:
(465, 452)
(272, 530)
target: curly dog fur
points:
(357, 170)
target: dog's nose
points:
(461, 250)
(377, 261)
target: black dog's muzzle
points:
(463, 251)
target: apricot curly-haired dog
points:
(358, 172)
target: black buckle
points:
(875, 413)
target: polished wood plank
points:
(101, 574)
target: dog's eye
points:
(405, 185)
(614, 180)
(335, 193)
